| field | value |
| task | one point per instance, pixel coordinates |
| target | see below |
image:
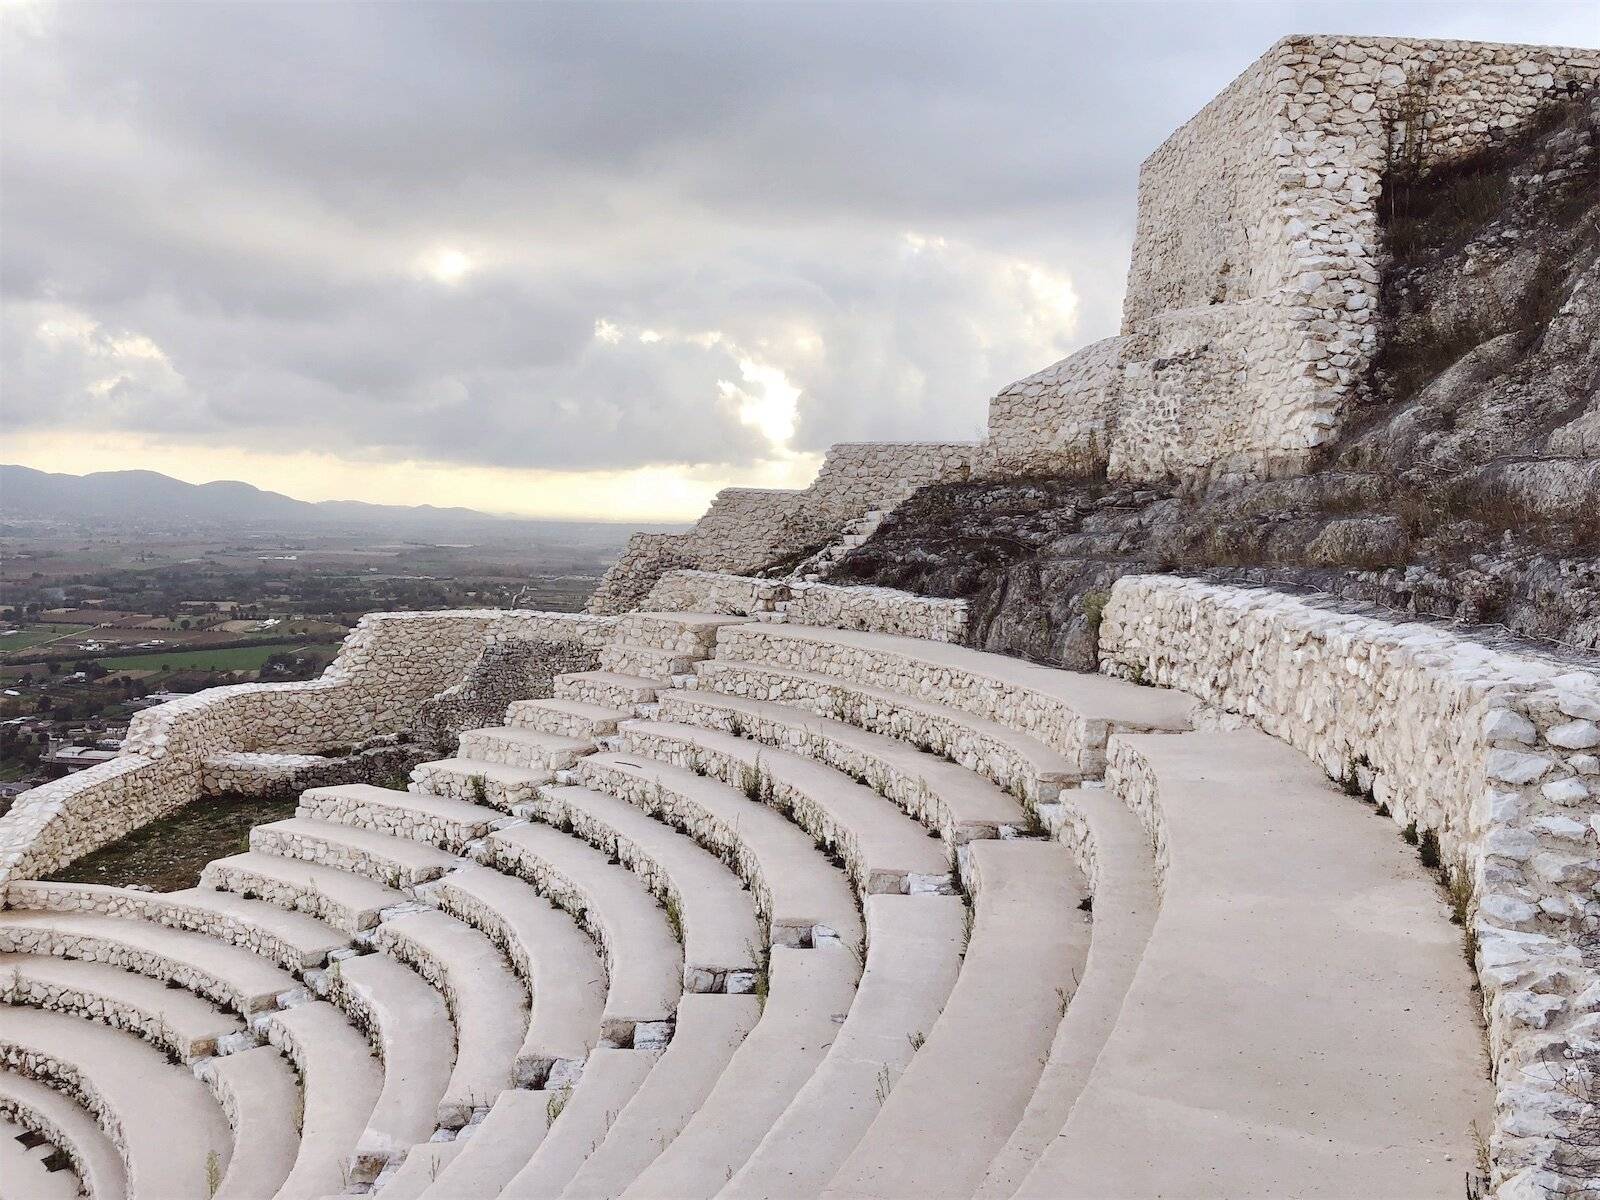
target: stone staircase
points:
(852, 535)
(763, 910)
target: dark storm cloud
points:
(219, 218)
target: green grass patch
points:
(168, 855)
(240, 658)
(29, 636)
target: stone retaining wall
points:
(877, 610)
(389, 665)
(1495, 753)
(1253, 289)
(747, 529)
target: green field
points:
(241, 658)
(36, 635)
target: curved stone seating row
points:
(478, 782)
(259, 1094)
(340, 1082)
(610, 1080)
(711, 913)
(135, 1096)
(28, 1171)
(409, 1027)
(556, 961)
(913, 957)
(47, 1113)
(1071, 713)
(1300, 1021)
(644, 962)
(487, 1003)
(227, 975)
(346, 901)
(799, 894)
(178, 1021)
(709, 1030)
(688, 633)
(292, 940)
(451, 825)
(964, 1090)
(606, 689)
(1018, 762)
(519, 747)
(958, 804)
(646, 662)
(392, 861)
(565, 718)
(883, 851)
(809, 995)
(494, 1150)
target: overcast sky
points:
(596, 259)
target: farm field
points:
(240, 658)
(34, 635)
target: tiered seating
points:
(1301, 1020)
(67, 1128)
(811, 917)
(29, 1169)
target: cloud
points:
(503, 236)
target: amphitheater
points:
(744, 884)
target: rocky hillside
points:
(1466, 486)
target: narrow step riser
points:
(586, 689)
(470, 787)
(799, 807)
(224, 878)
(486, 747)
(443, 832)
(984, 756)
(647, 663)
(524, 715)
(265, 840)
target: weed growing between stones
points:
(883, 1086)
(917, 1040)
(1428, 852)
(1409, 833)
(213, 1172)
(674, 918)
(557, 1102)
(479, 786)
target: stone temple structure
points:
(743, 884)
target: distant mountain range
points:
(148, 497)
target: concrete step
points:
(175, 1020)
(606, 688)
(293, 940)
(340, 1082)
(1113, 850)
(43, 1111)
(688, 633)
(447, 824)
(963, 1092)
(1302, 1020)
(394, 862)
(959, 805)
(708, 909)
(25, 1171)
(139, 1098)
(526, 748)
(913, 958)
(883, 849)
(260, 1094)
(420, 1170)
(644, 962)
(799, 893)
(488, 1004)
(493, 784)
(1017, 762)
(565, 718)
(409, 1025)
(808, 999)
(495, 1150)
(642, 661)
(555, 959)
(609, 1081)
(345, 902)
(226, 975)
(709, 1029)
(1070, 712)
